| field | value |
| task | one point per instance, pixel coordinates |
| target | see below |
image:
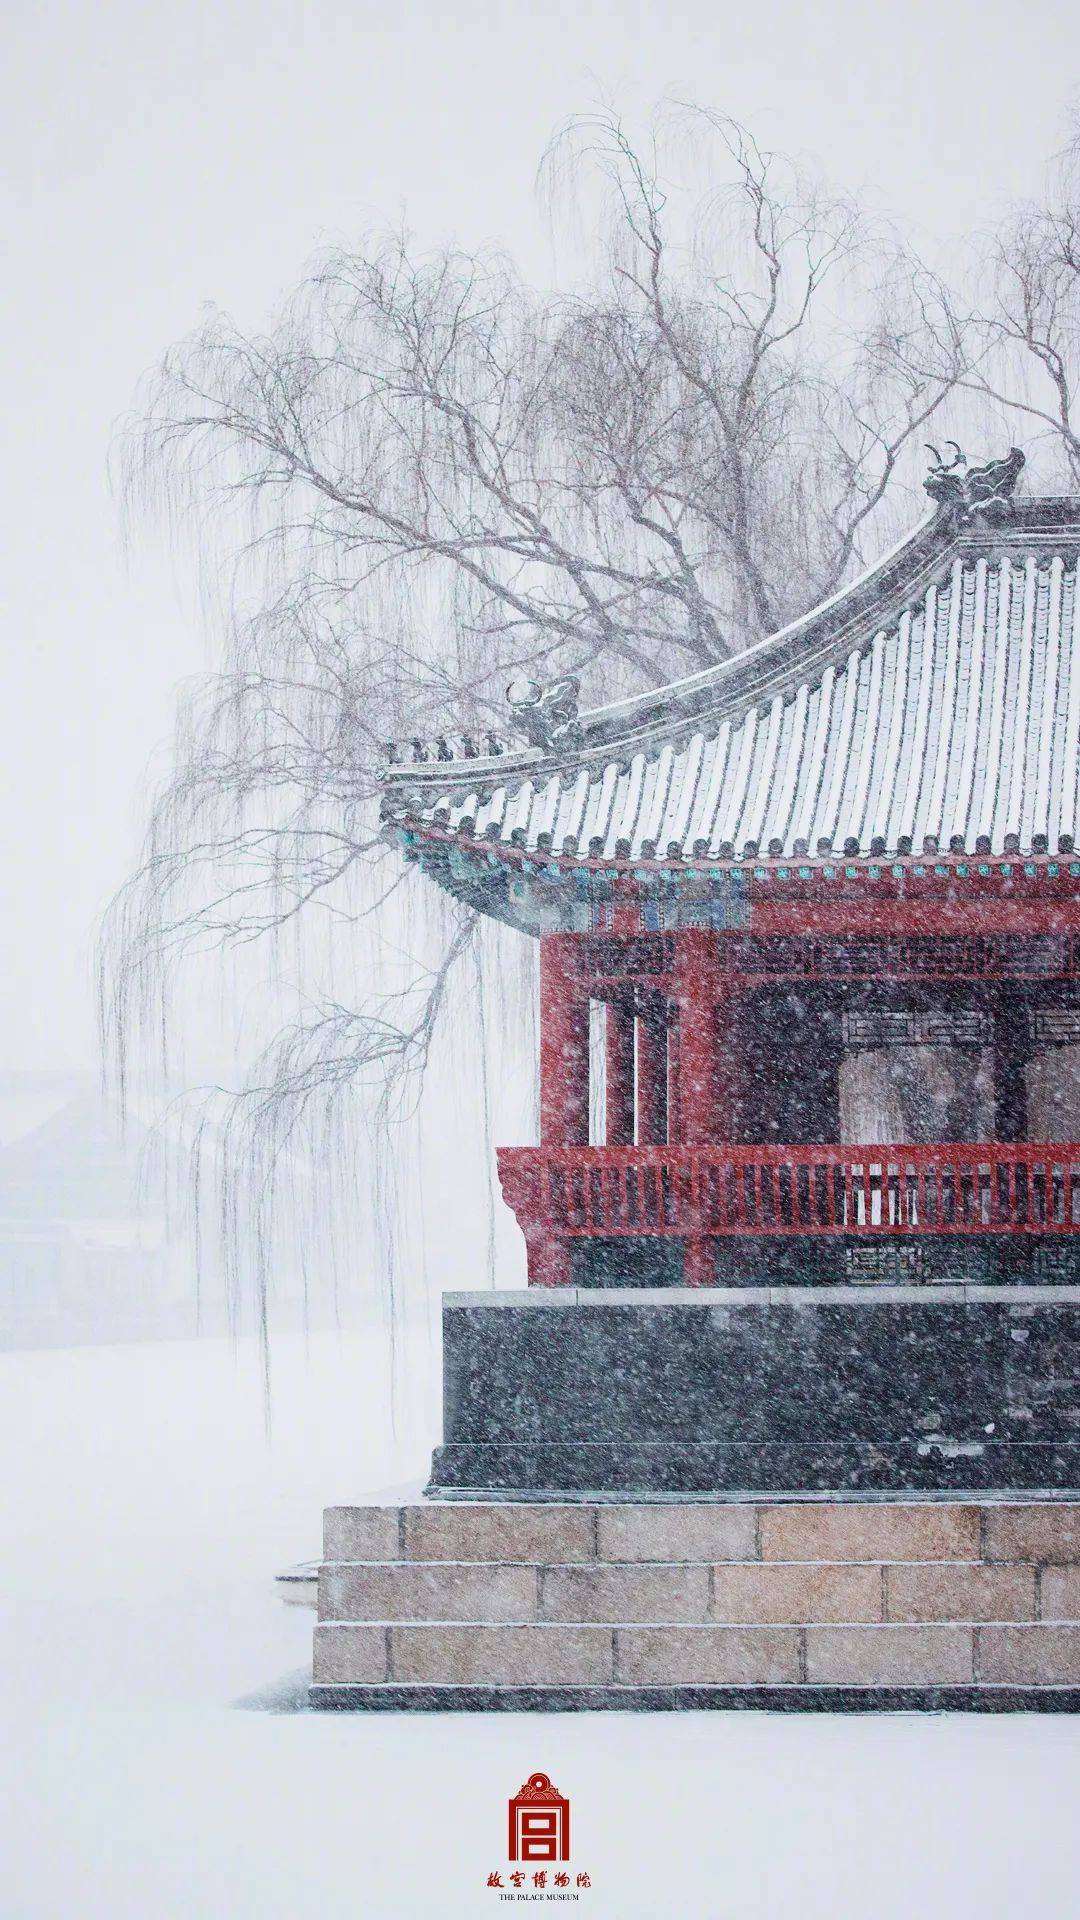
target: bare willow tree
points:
(428, 477)
(1022, 336)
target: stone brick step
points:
(1041, 1533)
(776, 1593)
(460, 1654)
(824, 1603)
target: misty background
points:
(158, 159)
(156, 165)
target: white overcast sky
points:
(163, 156)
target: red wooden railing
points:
(695, 1192)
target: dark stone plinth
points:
(870, 1389)
(789, 1699)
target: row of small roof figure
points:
(446, 746)
(545, 716)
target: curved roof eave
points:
(733, 683)
(797, 652)
(799, 648)
(617, 760)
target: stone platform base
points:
(815, 1604)
(555, 1391)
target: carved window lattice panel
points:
(882, 1027)
(613, 959)
(884, 1265)
(1055, 1026)
(903, 957)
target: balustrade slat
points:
(556, 1198)
(614, 1197)
(799, 1182)
(667, 1205)
(714, 1208)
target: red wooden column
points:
(699, 990)
(564, 1097)
(674, 1070)
(564, 1044)
(619, 1055)
(705, 1088)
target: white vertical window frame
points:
(598, 1018)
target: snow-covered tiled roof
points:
(933, 705)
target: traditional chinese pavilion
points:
(807, 1187)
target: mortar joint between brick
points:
(401, 1533)
(614, 1656)
(540, 1572)
(800, 1653)
(389, 1633)
(595, 1517)
(982, 1535)
(757, 1533)
(976, 1654)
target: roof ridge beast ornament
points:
(547, 716)
(963, 491)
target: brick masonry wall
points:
(859, 1595)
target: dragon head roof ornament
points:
(963, 491)
(547, 716)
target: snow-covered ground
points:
(146, 1510)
